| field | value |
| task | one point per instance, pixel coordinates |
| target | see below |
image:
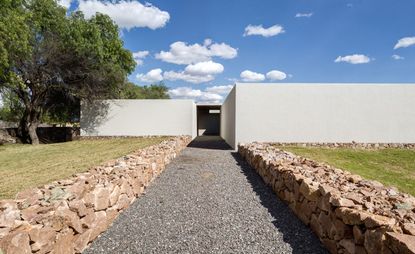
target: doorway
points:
(208, 120)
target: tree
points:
(154, 91)
(49, 59)
(11, 109)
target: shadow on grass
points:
(295, 233)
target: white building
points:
(364, 113)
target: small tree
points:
(154, 91)
(48, 59)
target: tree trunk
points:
(28, 126)
(32, 133)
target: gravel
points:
(208, 200)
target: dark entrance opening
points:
(208, 120)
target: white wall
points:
(138, 118)
(366, 113)
(227, 121)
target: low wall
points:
(348, 214)
(159, 117)
(353, 145)
(64, 216)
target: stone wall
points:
(352, 145)
(348, 214)
(64, 216)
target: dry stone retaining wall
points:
(348, 213)
(64, 216)
(353, 145)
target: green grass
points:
(26, 166)
(392, 167)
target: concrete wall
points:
(367, 113)
(227, 124)
(138, 118)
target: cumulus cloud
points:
(65, 3)
(204, 68)
(195, 94)
(266, 32)
(250, 76)
(219, 89)
(182, 53)
(304, 15)
(196, 73)
(353, 59)
(182, 75)
(139, 56)
(405, 42)
(398, 57)
(276, 75)
(127, 14)
(152, 76)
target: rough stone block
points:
(409, 228)
(374, 221)
(348, 245)
(309, 190)
(42, 238)
(400, 243)
(374, 241)
(16, 242)
(351, 216)
(358, 235)
(64, 242)
(101, 198)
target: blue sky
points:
(200, 48)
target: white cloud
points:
(398, 57)
(196, 73)
(151, 76)
(405, 42)
(196, 94)
(185, 92)
(250, 76)
(195, 79)
(223, 51)
(127, 14)
(219, 89)
(65, 3)
(353, 59)
(182, 53)
(204, 68)
(139, 56)
(266, 32)
(276, 75)
(304, 15)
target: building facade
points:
(363, 113)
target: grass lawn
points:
(25, 166)
(392, 167)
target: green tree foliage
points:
(49, 60)
(12, 108)
(154, 91)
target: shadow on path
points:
(295, 233)
(210, 142)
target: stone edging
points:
(348, 214)
(64, 216)
(350, 145)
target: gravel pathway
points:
(207, 201)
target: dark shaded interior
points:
(208, 120)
